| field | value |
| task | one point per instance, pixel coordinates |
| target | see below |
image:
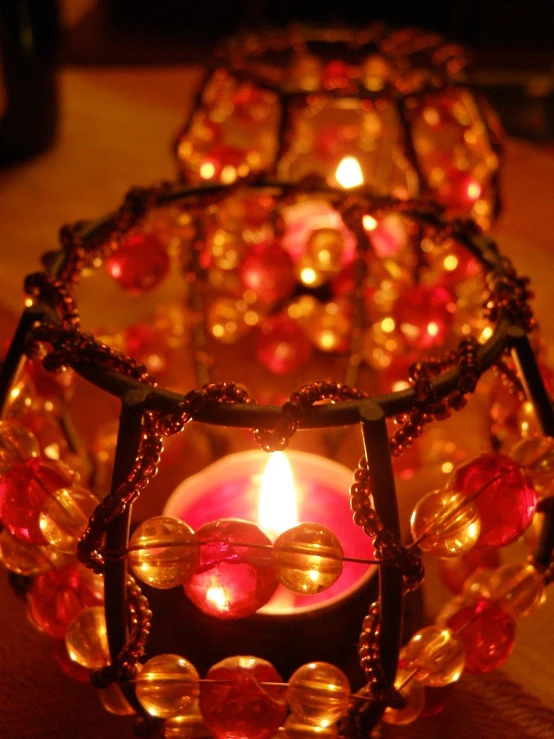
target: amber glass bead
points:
(414, 693)
(17, 443)
(58, 596)
(486, 631)
(68, 666)
(296, 727)
(319, 693)
(518, 588)
(65, 516)
(114, 701)
(437, 654)
(167, 685)
(307, 558)
(21, 558)
(235, 702)
(536, 456)
(233, 579)
(189, 725)
(87, 638)
(445, 523)
(164, 552)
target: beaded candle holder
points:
(292, 281)
(393, 109)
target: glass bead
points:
(167, 685)
(282, 345)
(48, 432)
(485, 630)
(296, 727)
(331, 326)
(189, 725)
(69, 667)
(58, 596)
(415, 700)
(436, 699)
(504, 496)
(238, 703)
(86, 639)
(65, 516)
(454, 571)
(164, 552)
(232, 580)
(21, 397)
(149, 347)
(424, 315)
(438, 655)
(21, 558)
(319, 693)
(445, 523)
(267, 270)
(17, 443)
(140, 263)
(114, 701)
(228, 319)
(536, 456)
(517, 588)
(308, 558)
(24, 489)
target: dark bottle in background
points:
(29, 34)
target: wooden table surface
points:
(116, 128)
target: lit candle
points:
(279, 492)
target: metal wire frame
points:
(137, 399)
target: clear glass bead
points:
(308, 558)
(437, 654)
(536, 456)
(296, 727)
(445, 523)
(189, 725)
(17, 443)
(114, 701)
(415, 700)
(21, 558)
(65, 516)
(517, 588)
(164, 552)
(319, 693)
(86, 638)
(167, 686)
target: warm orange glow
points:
(349, 173)
(277, 509)
(474, 191)
(207, 170)
(369, 223)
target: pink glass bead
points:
(282, 345)
(140, 263)
(268, 271)
(58, 596)
(23, 492)
(508, 502)
(485, 630)
(232, 581)
(241, 705)
(424, 315)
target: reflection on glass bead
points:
(58, 596)
(517, 588)
(505, 497)
(228, 319)
(189, 725)
(238, 703)
(536, 456)
(454, 571)
(232, 581)
(20, 397)
(438, 655)
(267, 270)
(65, 516)
(296, 727)
(87, 638)
(319, 693)
(17, 443)
(307, 558)
(167, 685)
(68, 666)
(114, 701)
(49, 433)
(282, 345)
(486, 631)
(424, 315)
(164, 552)
(415, 697)
(21, 558)
(445, 523)
(527, 421)
(24, 489)
(140, 263)
(330, 326)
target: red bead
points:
(507, 502)
(424, 315)
(335, 75)
(486, 631)
(460, 190)
(148, 347)
(282, 345)
(232, 581)
(240, 705)
(24, 489)
(58, 596)
(455, 571)
(268, 271)
(140, 263)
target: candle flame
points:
(277, 510)
(349, 173)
